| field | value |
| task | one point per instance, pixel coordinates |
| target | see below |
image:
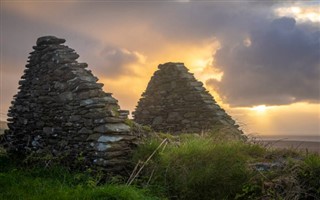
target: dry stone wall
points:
(62, 110)
(175, 101)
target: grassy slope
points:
(187, 167)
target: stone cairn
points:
(61, 109)
(175, 101)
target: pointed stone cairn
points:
(176, 102)
(62, 110)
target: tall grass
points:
(198, 168)
(195, 167)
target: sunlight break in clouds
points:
(260, 108)
(301, 13)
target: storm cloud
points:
(278, 64)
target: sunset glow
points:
(261, 67)
(303, 13)
(259, 109)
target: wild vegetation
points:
(191, 166)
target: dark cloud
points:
(281, 66)
(20, 33)
(193, 22)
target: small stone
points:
(74, 118)
(189, 114)
(48, 130)
(47, 40)
(94, 137)
(35, 143)
(85, 131)
(157, 120)
(124, 112)
(196, 84)
(109, 138)
(110, 99)
(66, 96)
(68, 124)
(102, 146)
(185, 121)
(174, 116)
(200, 88)
(112, 128)
(86, 102)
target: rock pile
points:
(62, 110)
(175, 101)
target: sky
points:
(259, 59)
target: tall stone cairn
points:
(176, 102)
(60, 109)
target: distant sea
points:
(302, 138)
(310, 143)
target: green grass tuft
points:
(59, 183)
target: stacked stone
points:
(175, 101)
(62, 110)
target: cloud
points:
(114, 38)
(280, 65)
(120, 61)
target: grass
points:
(58, 183)
(184, 167)
(202, 167)
(197, 168)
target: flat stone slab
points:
(112, 128)
(45, 40)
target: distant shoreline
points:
(310, 146)
(310, 143)
(305, 138)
